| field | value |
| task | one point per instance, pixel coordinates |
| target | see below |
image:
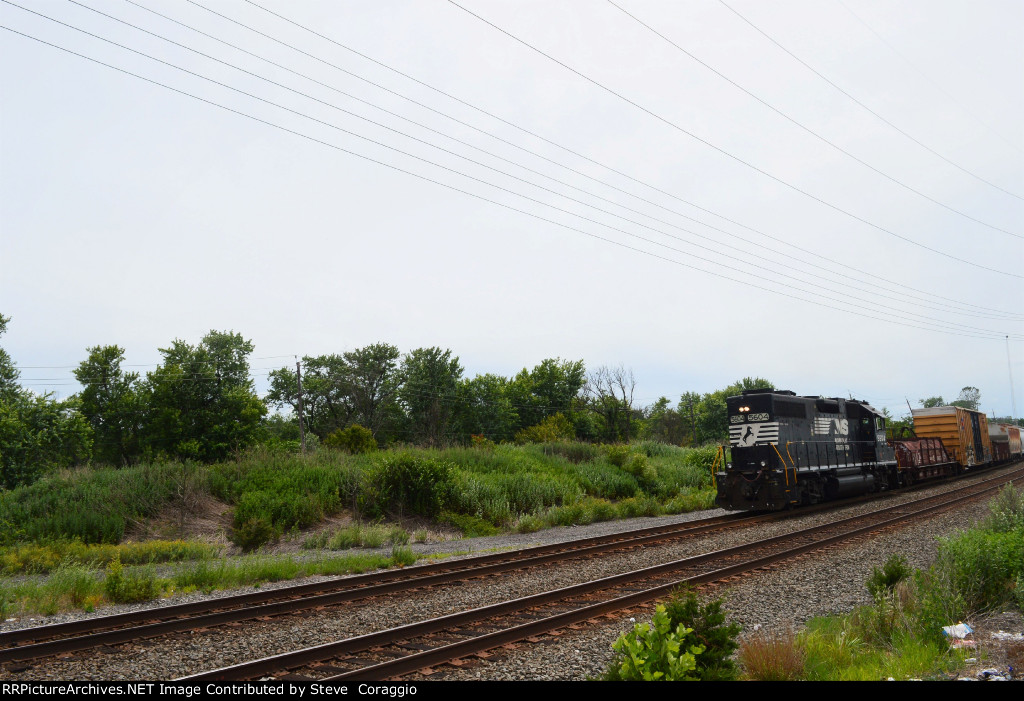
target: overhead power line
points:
(844, 92)
(924, 75)
(541, 138)
(775, 272)
(810, 131)
(722, 151)
(929, 325)
(845, 300)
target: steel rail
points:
(120, 628)
(45, 641)
(298, 659)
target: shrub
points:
(471, 526)
(552, 429)
(642, 470)
(1007, 511)
(655, 652)
(882, 581)
(403, 556)
(407, 482)
(354, 439)
(528, 523)
(253, 533)
(574, 452)
(710, 631)
(638, 506)
(618, 455)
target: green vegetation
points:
(900, 634)
(76, 586)
(276, 492)
(40, 559)
(687, 640)
(357, 535)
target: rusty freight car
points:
(964, 433)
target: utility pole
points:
(1009, 367)
(302, 430)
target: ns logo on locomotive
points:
(788, 450)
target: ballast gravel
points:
(820, 583)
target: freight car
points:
(1006, 442)
(788, 450)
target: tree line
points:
(200, 403)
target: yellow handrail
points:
(714, 464)
(785, 468)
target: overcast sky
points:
(863, 235)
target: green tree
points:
(430, 393)
(711, 415)
(932, 402)
(359, 386)
(202, 402)
(970, 398)
(37, 434)
(326, 402)
(373, 381)
(665, 424)
(485, 408)
(551, 387)
(610, 395)
(112, 404)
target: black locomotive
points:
(789, 450)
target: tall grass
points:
(274, 492)
(93, 505)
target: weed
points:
(771, 657)
(882, 581)
(402, 556)
(130, 586)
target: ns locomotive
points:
(789, 451)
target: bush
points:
(253, 533)
(552, 429)
(707, 621)
(655, 652)
(883, 581)
(471, 526)
(402, 556)
(643, 471)
(1007, 511)
(528, 523)
(618, 455)
(354, 439)
(407, 482)
(574, 452)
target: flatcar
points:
(790, 450)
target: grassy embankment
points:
(900, 634)
(72, 526)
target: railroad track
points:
(46, 641)
(19, 648)
(448, 639)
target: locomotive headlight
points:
(763, 463)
